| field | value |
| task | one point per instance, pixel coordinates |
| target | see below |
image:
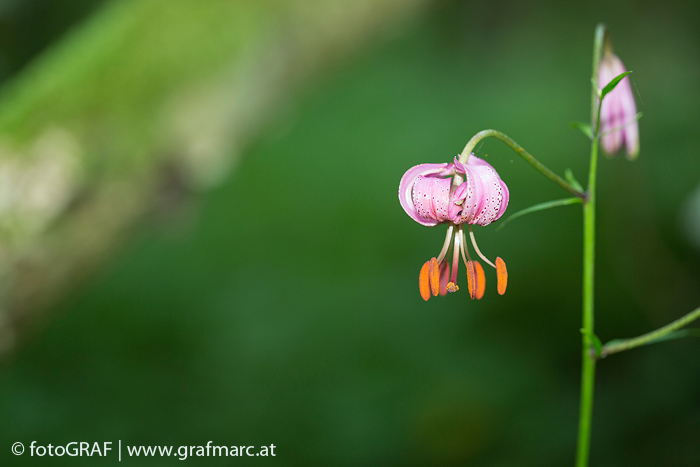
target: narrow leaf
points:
(569, 176)
(585, 128)
(611, 85)
(666, 337)
(670, 331)
(539, 207)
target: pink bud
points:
(619, 111)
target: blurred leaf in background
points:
(285, 309)
(147, 101)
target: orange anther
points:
(502, 275)
(471, 279)
(424, 281)
(480, 280)
(434, 276)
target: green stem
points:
(522, 153)
(650, 337)
(588, 360)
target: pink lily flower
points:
(618, 116)
(458, 193)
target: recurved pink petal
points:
(406, 189)
(504, 200)
(482, 198)
(492, 194)
(473, 199)
(431, 198)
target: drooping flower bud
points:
(618, 115)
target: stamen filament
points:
(446, 245)
(476, 248)
(466, 257)
(455, 259)
(444, 271)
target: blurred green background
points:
(282, 307)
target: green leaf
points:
(670, 331)
(539, 207)
(585, 128)
(611, 85)
(594, 340)
(569, 176)
(666, 337)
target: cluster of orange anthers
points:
(436, 277)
